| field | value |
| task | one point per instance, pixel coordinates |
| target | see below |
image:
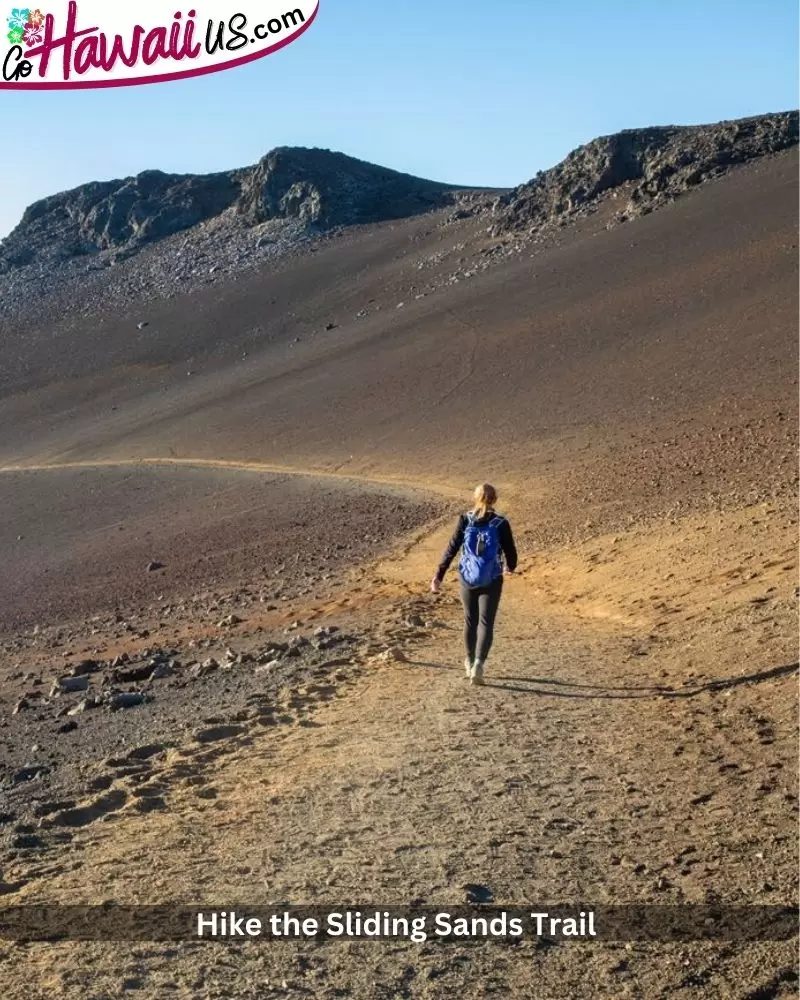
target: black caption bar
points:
(560, 922)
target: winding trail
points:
(220, 464)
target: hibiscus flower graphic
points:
(33, 34)
(19, 18)
(36, 18)
(15, 36)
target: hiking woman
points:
(484, 537)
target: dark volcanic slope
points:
(679, 326)
(76, 542)
(108, 245)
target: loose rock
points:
(67, 685)
(122, 700)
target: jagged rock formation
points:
(657, 165)
(107, 245)
(318, 188)
(327, 190)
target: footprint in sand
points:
(92, 811)
(217, 733)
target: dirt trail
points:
(219, 464)
(596, 764)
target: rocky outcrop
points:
(327, 190)
(115, 215)
(316, 187)
(655, 164)
(108, 245)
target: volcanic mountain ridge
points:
(322, 190)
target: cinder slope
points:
(577, 355)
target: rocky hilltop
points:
(318, 190)
(655, 165)
(315, 187)
(110, 245)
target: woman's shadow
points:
(541, 686)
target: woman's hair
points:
(485, 499)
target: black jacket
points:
(506, 543)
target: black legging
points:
(480, 610)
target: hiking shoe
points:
(476, 677)
(468, 667)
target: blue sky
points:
(479, 93)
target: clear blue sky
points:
(479, 93)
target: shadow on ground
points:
(622, 692)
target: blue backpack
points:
(481, 559)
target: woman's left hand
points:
(435, 586)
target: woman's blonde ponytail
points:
(485, 499)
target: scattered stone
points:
(133, 675)
(85, 667)
(393, 655)
(230, 621)
(274, 649)
(142, 326)
(297, 645)
(154, 566)
(265, 668)
(68, 727)
(68, 685)
(160, 671)
(125, 699)
(21, 706)
(476, 893)
(25, 774)
(203, 669)
(415, 621)
(85, 705)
